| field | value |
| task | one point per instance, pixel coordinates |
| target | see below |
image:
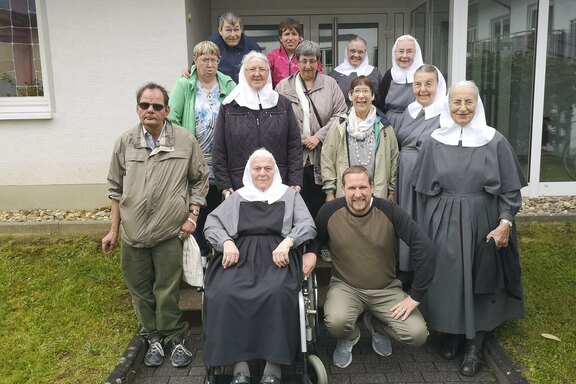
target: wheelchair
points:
(313, 370)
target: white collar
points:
(346, 68)
(251, 193)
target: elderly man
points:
(362, 232)
(157, 183)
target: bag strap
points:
(306, 90)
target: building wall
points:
(101, 52)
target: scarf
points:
(357, 128)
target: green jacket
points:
(335, 158)
(183, 98)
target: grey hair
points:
(229, 18)
(356, 38)
(307, 48)
(464, 83)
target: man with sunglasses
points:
(157, 183)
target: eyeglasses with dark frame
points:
(156, 107)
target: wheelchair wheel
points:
(316, 371)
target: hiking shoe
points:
(180, 357)
(326, 255)
(380, 343)
(342, 356)
(155, 354)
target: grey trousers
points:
(152, 276)
(345, 303)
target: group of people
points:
(270, 162)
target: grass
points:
(65, 316)
(548, 257)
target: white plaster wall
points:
(101, 52)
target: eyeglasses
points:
(306, 62)
(256, 69)
(357, 51)
(363, 91)
(408, 52)
(157, 107)
(206, 61)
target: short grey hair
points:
(307, 48)
(229, 18)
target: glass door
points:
(264, 29)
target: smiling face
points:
(290, 39)
(231, 33)
(463, 103)
(358, 192)
(361, 96)
(425, 86)
(356, 52)
(308, 66)
(262, 172)
(405, 53)
(256, 72)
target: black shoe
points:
(452, 346)
(180, 356)
(473, 361)
(155, 354)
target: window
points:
(23, 89)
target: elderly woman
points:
(317, 101)
(362, 137)
(251, 117)
(470, 180)
(252, 284)
(233, 44)
(417, 123)
(355, 64)
(395, 91)
(194, 104)
(283, 61)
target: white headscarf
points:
(435, 108)
(402, 75)
(474, 134)
(245, 95)
(249, 190)
(346, 68)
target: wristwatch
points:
(195, 212)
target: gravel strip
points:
(539, 206)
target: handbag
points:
(192, 271)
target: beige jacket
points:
(156, 187)
(329, 102)
(335, 159)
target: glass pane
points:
(265, 35)
(501, 62)
(325, 34)
(559, 125)
(367, 31)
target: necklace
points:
(367, 142)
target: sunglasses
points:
(157, 107)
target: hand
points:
(109, 242)
(231, 254)
(330, 196)
(187, 229)
(186, 73)
(500, 234)
(404, 308)
(308, 263)
(280, 254)
(311, 142)
(297, 188)
(226, 193)
(391, 197)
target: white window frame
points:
(34, 107)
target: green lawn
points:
(548, 257)
(65, 316)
